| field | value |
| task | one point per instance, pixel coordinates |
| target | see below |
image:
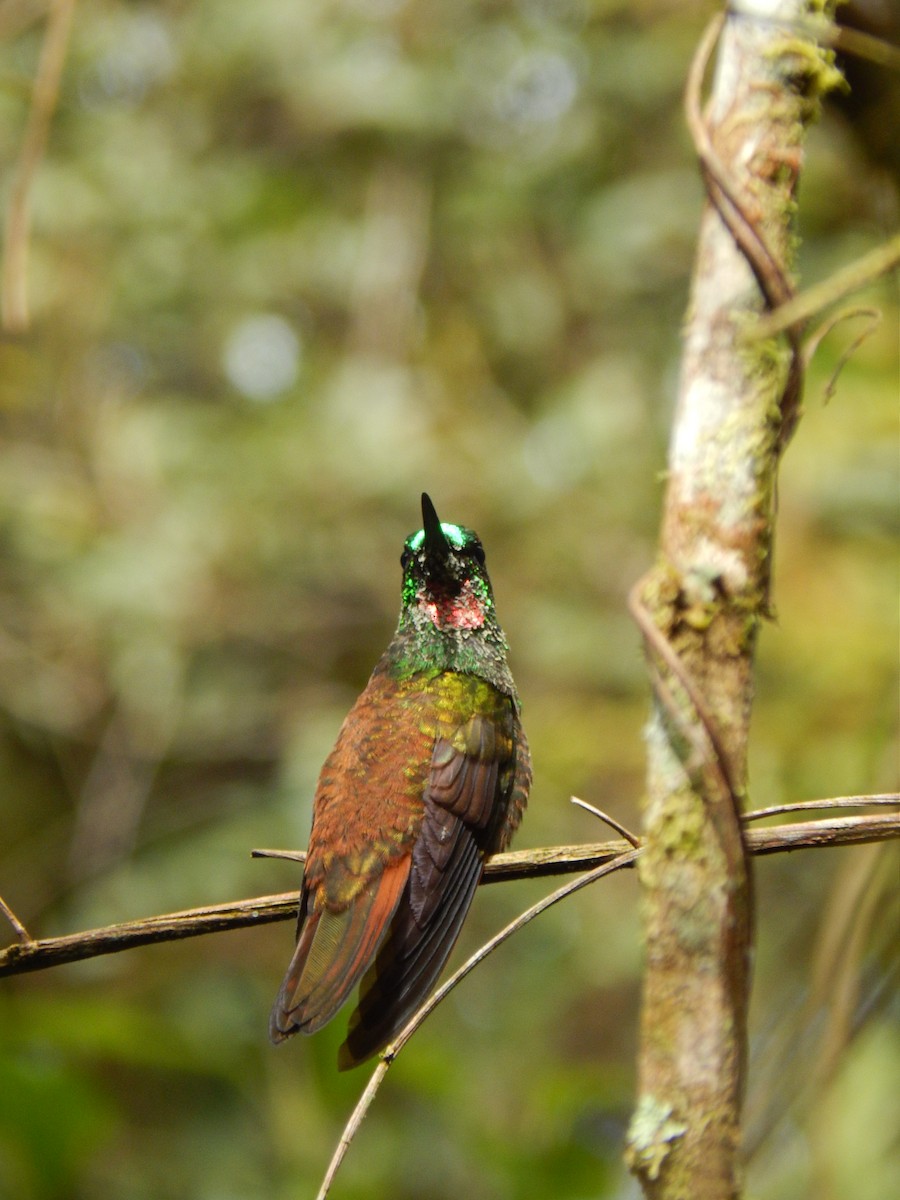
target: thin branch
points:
(193, 922)
(625, 859)
(291, 855)
(14, 285)
(558, 860)
(21, 932)
(723, 191)
(841, 831)
(865, 45)
(725, 196)
(876, 800)
(611, 821)
(42, 953)
(350, 1129)
(800, 308)
(812, 343)
(819, 28)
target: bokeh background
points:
(292, 263)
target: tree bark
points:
(701, 606)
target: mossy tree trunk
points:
(701, 606)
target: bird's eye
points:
(405, 557)
(477, 552)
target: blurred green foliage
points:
(291, 264)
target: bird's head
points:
(444, 577)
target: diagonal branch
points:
(625, 858)
(20, 931)
(851, 278)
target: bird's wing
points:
(468, 784)
(332, 951)
(366, 814)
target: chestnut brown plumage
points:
(430, 772)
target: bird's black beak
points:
(437, 548)
(436, 545)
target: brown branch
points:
(865, 45)
(548, 861)
(192, 922)
(808, 835)
(811, 345)
(626, 833)
(20, 931)
(851, 278)
(738, 215)
(819, 28)
(874, 800)
(14, 284)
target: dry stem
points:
(42, 953)
(14, 285)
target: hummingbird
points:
(429, 775)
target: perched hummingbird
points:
(430, 773)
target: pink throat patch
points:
(465, 611)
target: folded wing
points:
(463, 799)
(408, 804)
(333, 950)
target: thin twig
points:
(839, 831)
(841, 283)
(518, 864)
(21, 932)
(715, 774)
(390, 1054)
(725, 196)
(291, 855)
(611, 821)
(865, 45)
(14, 285)
(877, 800)
(724, 192)
(350, 1129)
(813, 341)
(819, 28)
(42, 953)
(657, 641)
